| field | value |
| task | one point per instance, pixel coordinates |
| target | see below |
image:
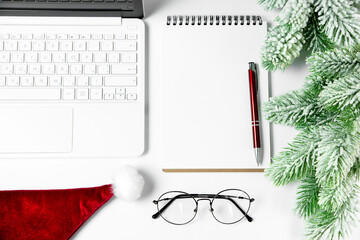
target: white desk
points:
(273, 214)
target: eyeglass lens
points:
(180, 211)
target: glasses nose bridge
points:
(203, 199)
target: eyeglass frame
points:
(207, 197)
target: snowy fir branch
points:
(284, 42)
(307, 197)
(335, 225)
(324, 156)
(272, 4)
(336, 63)
(296, 161)
(317, 24)
(296, 108)
(340, 20)
(315, 38)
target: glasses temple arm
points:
(156, 215)
(250, 219)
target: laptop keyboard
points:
(123, 5)
(68, 67)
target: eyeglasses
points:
(228, 206)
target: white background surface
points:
(272, 210)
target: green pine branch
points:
(272, 4)
(315, 38)
(336, 63)
(337, 153)
(307, 197)
(297, 108)
(343, 93)
(296, 161)
(328, 225)
(285, 41)
(340, 21)
(332, 198)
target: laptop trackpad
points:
(35, 129)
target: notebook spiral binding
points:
(214, 20)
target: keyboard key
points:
(73, 57)
(96, 81)
(100, 57)
(31, 57)
(4, 36)
(13, 81)
(40, 81)
(6, 69)
(126, 46)
(82, 94)
(59, 57)
(15, 36)
(120, 36)
(85, 36)
(52, 46)
(38, 46)
(120, 81)
(51, 36)
(29, 94)
(119, 96)
(96, 94)
(132, 36)
(25, 46)
(80, 46)
(27, 81)
(27, 36)
(90, 69)
(120, 90)
(129, 57)
(4, 57)
(109, 36)
(62, 36)
(82, 81)
(103, 69)
(69, 81)
(97, 36)
(34, 69)
(66, 46)
(20, 69)
(55, 81)
(108, 96)
(45, 57)
(74, 36)
(107, 46)
(49, 69)
(68, 94)
(11, 46)
(114, 57)
(94, 46)
(62, 69)
(17, 57)
(76, 69)
(86, 57)
(2, 81)
(39, 36)
(123, 69)
(131, 96)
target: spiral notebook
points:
(206, 121)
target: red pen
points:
(255, 123)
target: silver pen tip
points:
(258, 156)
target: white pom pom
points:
(128, 183)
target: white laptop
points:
(72, 86)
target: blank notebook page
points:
(206, 118)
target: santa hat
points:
(58, 214)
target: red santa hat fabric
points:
(48, 214)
